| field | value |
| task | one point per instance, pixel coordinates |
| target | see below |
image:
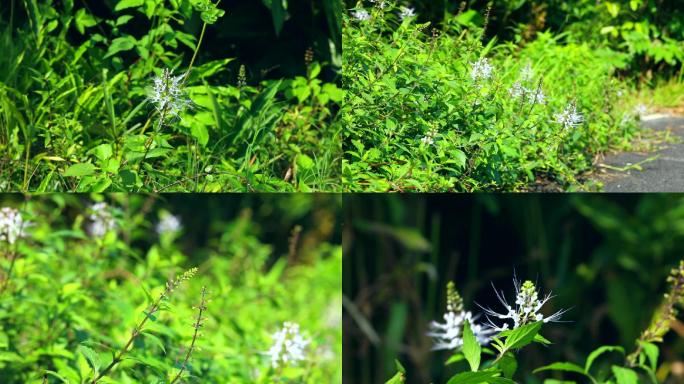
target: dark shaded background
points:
(246, 32)
(604, 256)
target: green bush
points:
(438, 111)
(649, 32)
(81, 294)
(77, 113)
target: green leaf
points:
(121, 20)
(473, 377)
(92, 357)
(84, 20)
(123, 4)
(201, 133)
(459, 157)
(102, 151)
(80, 170)
(209, 12)
(561, 366)
(278, 12)
(597, 352)
(541, 339)
(121, 44)
(613, 9)
(455, 358)
(398, 378)
(155, 340)
(305, 162)
(508, 365)
(651, 352)
(400, 367)
(625, 375)
(500, 380)
(520, 337)
(471, 348)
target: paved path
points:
(661, 171)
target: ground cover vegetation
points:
(502, 95)
(143, 289)
(169, 95)
(588, 289)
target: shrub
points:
(439, 111)
(88, 294)
(76, 113)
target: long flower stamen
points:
(527, 307)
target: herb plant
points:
(443, 108)
(135, 95)
(91, 293)
(473, 341)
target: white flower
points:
(449, 335)
(168, 95)
(380, 3)
(12, 225)
(407, 12)
(517, 90)
(168, 224)
(361, 15)
(640, 110)
(527, 73)
(101, 220)
(481, 69)
(539, 97)
(527, 307)
(289, 346)
(429, 138)
(569, 117)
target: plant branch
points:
(198, 324)
(151, 310)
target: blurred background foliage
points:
(604, 256)
(649, 32)
(265, 259)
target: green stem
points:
(194, 55)
(136, 332)
(148, 144)
(8, 274)
(197, 326)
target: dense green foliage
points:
(80, 111)
(441, 112)
(650, 32)
(604, 258)
(71, 299)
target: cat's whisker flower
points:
(527, 307)
(407, 13)
(101, 219)
(361, 15)
(481, 70)
(168, 224)
(168, 94)
(449, 335)
(569, 117)
(289, 346)
(12, 225)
